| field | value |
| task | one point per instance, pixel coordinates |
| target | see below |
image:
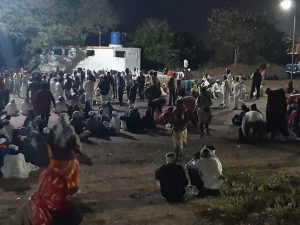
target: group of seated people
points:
(204, 172)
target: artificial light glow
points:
(286, 4)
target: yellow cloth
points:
(180, 138)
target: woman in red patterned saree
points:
(49, 205)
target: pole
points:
(293, 48)
(100, 38)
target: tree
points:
(254, 35)
(191, 48)
(54, 22)
(157, 42)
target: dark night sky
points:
(191, 15)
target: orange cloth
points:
(70, 169)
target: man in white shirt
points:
(251, 126)
(185, 64)
(11, 108)
(15, 166)
(237, 91)
(25, 107)
(59, 90)
(226, 92)
(52, 85)
(210, 169)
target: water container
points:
(115, 38)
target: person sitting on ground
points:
(251, 128)
(25, 107)
(195, 179)
(61, 105)
(7, 128)
(133, 119)
(11, 109)
(15, 166)
(107, 109)
(87, 108)
(97, 126)
(50, 204)
(238, 118)
(172, 179)
(77, 122)
(210, 169)
(148, 120)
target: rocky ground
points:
(120, 188)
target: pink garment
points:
(292, 118)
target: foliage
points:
(192, 49)
(43, 22)
(254, 35)
(158, 43)
(245, 197)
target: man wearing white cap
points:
(15, 165)
(210, 170)
(172, 179)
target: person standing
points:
(104, 86)
(179, 122)
(42, 105)
(132, 94)
(121, 87)
(204, 114)
(89, 88)
(172, 90)
(229, 78)
(256, 83)
(59, 90)
(7, 88)
(172, 179)
(128, 81)
(226, 92)
(237, 91)
(17, 83)
(141, 81)
(33, 89)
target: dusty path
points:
(120, 188)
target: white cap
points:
(2, 141)
(14, 147)
(46, 130)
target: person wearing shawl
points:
(66, 147)
(50, 204)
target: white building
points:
(111, 58)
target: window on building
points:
(66, 51)
(57, 51)
(90, 52)
(120, 54)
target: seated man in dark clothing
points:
(195, 178)
(172, 179)
(148, 120)
(238, 118)
(133, 119)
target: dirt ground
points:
(119, 189)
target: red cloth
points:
(43, 101)
(51, 196)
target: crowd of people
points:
(84, 102)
